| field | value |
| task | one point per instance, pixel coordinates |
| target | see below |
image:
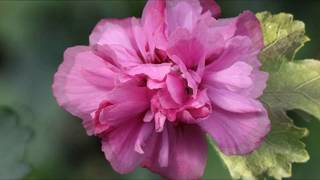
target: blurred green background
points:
(33, 36)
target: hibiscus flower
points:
(153, 88)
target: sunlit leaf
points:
(281, 148)
(291, 85)
(283, 37)
(295, 86)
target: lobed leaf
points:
(295, 86)
(283, 37)
(281, 148)
(291, 85)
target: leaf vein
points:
(307, 82)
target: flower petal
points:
(129, 91)
(186, 74)
(164, 149)
(186, 13)
(166, 101)
(154, 84)
(237, 134)
(248, 25)
(189, 54)
(201, 100)
(236, 49)
(188, 48)
(187, 153)
(145, 132)
(244, 41)
(245, 25)
(113, 32)
(159, 120)
(259, 79)
(177, 88)
(82, 80)
(118, 35)
(116, 114)
(93, 126)
(238, 76)
(126, 58)
(120, 145)
(124, 103)
(149, 116)
(212, 6)
(153, 22)
(139, 36)
(233, 102)
(153, 71)
(182, 14)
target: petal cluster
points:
(152, 88)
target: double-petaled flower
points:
(152, 88)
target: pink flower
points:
(152, 88)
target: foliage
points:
(292, 85)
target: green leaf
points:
(283, 37)
(295, 86)
(13, 139)
(291, 85)
(281, 148)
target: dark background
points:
(33, 36)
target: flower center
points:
(164, 110)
